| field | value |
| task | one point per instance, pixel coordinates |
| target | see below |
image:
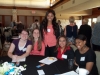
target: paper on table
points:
(68, 73)
(48, 60)
(40, 72)
(21, 60)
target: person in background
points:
(96, 36)
(20, 48)
(86, 30)
(92, 25)
(60, 27)
(84, 56)
(20, 27)
(50, 32)
(14, 31)
(35, 25)
(71, 30)
(62, 48)
(13, 23)
(38, 44)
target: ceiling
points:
(28, 3)
(63, 10)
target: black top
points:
(69, 53)
(82, 59)
(71, 31)
(85, 30)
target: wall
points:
(26, 16)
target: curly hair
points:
(44, 23)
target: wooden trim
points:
(18, 18)
(40, 19)
(25, 21)
(23, 8)
(33, 18)
(3, 22)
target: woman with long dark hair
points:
(63, 49)
(50, 32)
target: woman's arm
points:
(10, 51)
(29, 47)
(89, 66)
(42, 50)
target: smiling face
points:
(62, 42)
(24, 35)
(80, 43)
(50, 17)
(36, 33)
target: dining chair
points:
(5, 48)
(98, 60)
(73, 47)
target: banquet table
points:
(58, 67)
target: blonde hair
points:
(71, 19)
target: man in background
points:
(35, 24)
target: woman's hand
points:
(14, 57)
(76, 64)
(18, 58)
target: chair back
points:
(98, 60)
(6, 46)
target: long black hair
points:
(44, 23)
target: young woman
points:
(50, 32)
(64, 51)
(85, 57)
(20, 48)
(38, 45)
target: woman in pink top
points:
(50, 31)
(38, 45)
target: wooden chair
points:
(5, 49)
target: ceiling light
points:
(50, 4)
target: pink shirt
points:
(49, 37)
(35, 50)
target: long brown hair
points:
(57, 45)
(39, 39)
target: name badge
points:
(64, 56)
(48, 30)
(82, 59)
(24, 49)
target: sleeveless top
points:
(71, 31)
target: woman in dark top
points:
(63, 50)
(20, 48)
(86, 30)
(71, 30)
(85, 57)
